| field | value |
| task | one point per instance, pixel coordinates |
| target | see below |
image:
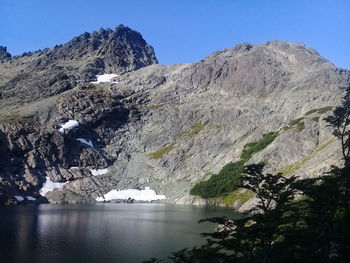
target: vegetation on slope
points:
(160, 152)
(230, 176)
(319, 111)
(240, 194)
(280, 227)
(252, 148)
(294, 167)
(196, 128)
(227, 180)
(298, 124)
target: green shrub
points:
(230, 176)
(251, 148)
(226, 181)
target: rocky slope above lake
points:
(166, 127)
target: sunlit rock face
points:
(126, 123)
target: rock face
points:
(166, 127)
(4, 55)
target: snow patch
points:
(105, 78)
(48, 186)
(89, 143)
(98, 171)
(68, 125)
(30, 198)
(145, 195)
(19, 198)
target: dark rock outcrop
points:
(31, 151)
(4, 55)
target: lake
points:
(105, 233)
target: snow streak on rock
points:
(19, 198)
(99, 171)
(87, 142)
(68, 125)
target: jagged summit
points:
(122, 49)
(51, 71)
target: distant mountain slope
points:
(166, 127)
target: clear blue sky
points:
(182, 31)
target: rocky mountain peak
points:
(122, 49)
(297, 54)
(61, 68)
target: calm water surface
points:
(100, 233)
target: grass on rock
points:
(293, 168)
(252, 148)
(159, 153)
(319, 111)
(316, 119)
(298, 124)
(196, 128)
(243, 195)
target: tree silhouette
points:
(252, 238)
(339, 121)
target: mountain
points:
(167, 127)
(52, 71)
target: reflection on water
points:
(100, 233)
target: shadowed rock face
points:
(166, 127)
(52, 71)
(4, 55)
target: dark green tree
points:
(253, 237)
(339, 121)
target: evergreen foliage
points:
(252, 148)
(230, 176)
(227, 180)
